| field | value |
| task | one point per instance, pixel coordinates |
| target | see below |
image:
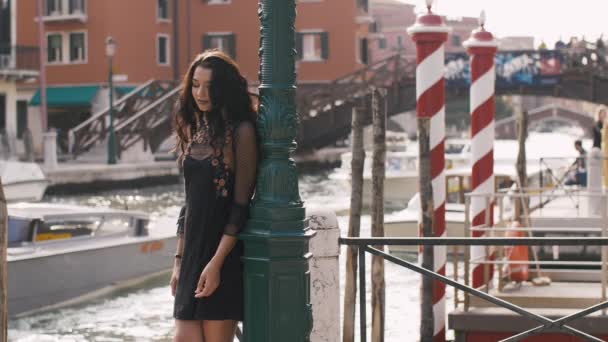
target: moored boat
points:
(59, 254)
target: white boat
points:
(62, 254)
(401, 180)
(404, 223)
(22, 181)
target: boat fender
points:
(514, 271)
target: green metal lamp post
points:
(277, 278)
(110, 51)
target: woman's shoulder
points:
(244, 129)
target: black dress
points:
(218, 191)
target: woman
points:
(217, 146)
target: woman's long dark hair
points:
(228, 92)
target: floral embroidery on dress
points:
(219, 161)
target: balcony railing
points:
(65, 10)
(19, 58)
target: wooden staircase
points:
(137, 115)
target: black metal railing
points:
(19, 57)
(530, 198)
(364, 245)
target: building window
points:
(77, 7)
(77, 47)
(382, 43)
(456, 41)
(21, 118)
(218, 2)
(363, 53)
(163, 9)
(162, 52)
(225, 42)
(312, 46)
(54, 48)
(62, 7)
(54, 7)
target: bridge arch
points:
(507, 129)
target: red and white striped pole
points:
(482, 47)
(429, 33)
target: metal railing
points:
(364, 245)
(561, 325)
(19, 57)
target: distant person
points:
(217, 146)
(599, 44)
(601, 112)
(600, 117)
(578, 170)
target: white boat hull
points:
(397, 190)
(43, 281)
(25, 191)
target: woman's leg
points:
(188, 331)
(219, 331)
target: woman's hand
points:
(174, 278)
(209, 280)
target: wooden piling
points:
(522, 175)
(354, 223)
(3, 267)
(378, 175)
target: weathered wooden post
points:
(3, 267)
(354, 223)
(378, 175)
(522, 175)
(277, 284)
(482, 47)
(430, 33)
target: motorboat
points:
(401, 178)
(22, 181)
(401, 169)
(59, 254)
(404, 223)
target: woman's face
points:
(201, 79)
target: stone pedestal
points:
(324, 276)
(50, 150)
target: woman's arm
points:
(245, 169)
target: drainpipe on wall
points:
(42, 77)
(175, 41)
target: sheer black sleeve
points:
(180, 221)
(245, 167)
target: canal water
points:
(144, 313)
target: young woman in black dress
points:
(217, 147)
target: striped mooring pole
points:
(430, 33)
(482, 47)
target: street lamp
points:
(110, 51)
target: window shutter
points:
(324, 45)
(206, 42)
(232, 45)
(299, 46)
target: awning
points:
(81, 96)
(123, 90)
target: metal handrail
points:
(105, 110)
(364, 245)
